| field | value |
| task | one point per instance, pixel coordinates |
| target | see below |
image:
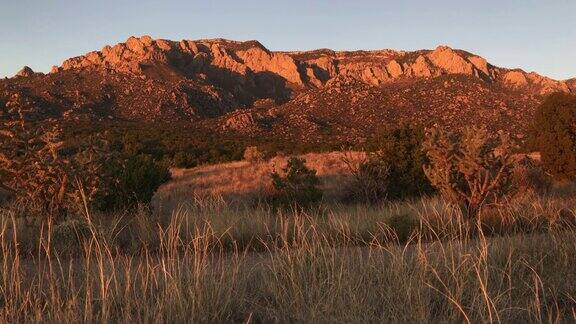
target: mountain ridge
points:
(306, 67)
(242, 87)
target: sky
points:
(535, 35)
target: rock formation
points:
(250, 64)
(25, 72)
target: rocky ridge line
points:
(219, 59)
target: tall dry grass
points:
(215, 262)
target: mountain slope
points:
(245, 88)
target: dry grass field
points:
(241, 182)
(409, 262)
(200, 254)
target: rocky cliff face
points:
(246, 70)
(248, 64)
(244, 87)
(193, 58)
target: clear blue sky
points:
(536, 35)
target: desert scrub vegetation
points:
(53, 178)
(295, 186)
(253, 154)
(392, 168)
(529, 176)
(370, 179)
(472, 169)
(553, 134)
(204, 259)
(36, 168)
(182, 146)
(401, 149)
(135, 179)
(210, 262)
(244, 182)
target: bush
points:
(68, 237)
(37, 168)
(369, 180)
(298, 186)
(394, 169)
(528, 176)
(401, 150)
(132, 180)
(472, 169)
(253, 154)
(40, 168)
(183, 160)
(553, 134)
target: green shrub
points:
(183, 160)
(400, 150)
(132, 180)
(553, 134)
(199, 144)
(296, 186)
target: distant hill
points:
(312, 96)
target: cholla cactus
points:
(34, 169)
(472, 169)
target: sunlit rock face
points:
(249, 63)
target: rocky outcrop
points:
(545, 84)
(128, 57)
(244, 88)
(519, 79)
(240, 121)
(516, 79)
(451, 62)
(481, 65)
(25, 72)
(420, 68)
(258, 59)
(244, 70)
(394, 69)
